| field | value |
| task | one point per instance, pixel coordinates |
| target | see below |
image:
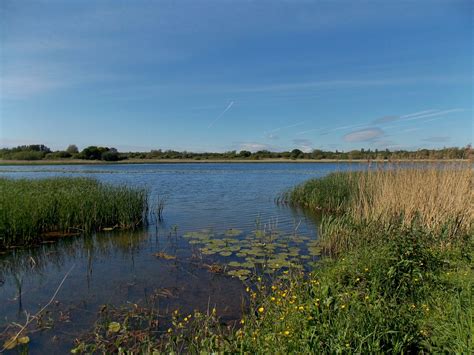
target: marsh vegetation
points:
(33, 209)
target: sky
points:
(232, 75)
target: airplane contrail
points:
(222, 114)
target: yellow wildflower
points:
(261, 309)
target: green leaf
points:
(114, 327)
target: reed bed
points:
(433, 197)
(357, 206)
(31, 209)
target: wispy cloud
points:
(437, 139)
(413, 129)
(272, 133)
(438, 113)
(222, 114)
(304, 145)
(271, 136)
(385, 119)
(289, 126)
(417, 113)
(309, 131)
(254, 146)
(349, 83)
(364, 135)
(329, 130)
(20, 86)
(415, 116)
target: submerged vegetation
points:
(396, 277)
(34, 209)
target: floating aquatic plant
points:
(260, 250)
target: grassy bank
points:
(397, 277)
(33, 209)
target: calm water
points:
(116, 267)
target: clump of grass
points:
(332, 193)
(32, 208)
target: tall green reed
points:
(31, 208)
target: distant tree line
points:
(41, 152)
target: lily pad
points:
(114, 327)
(235, 264)
(206, 251)
(232, 232)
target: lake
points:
(219, 199)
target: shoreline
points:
(221, 161)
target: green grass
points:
(333, 193)
(29, 208)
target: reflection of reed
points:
(38, 260)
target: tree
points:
(296, 153)
(111, 155)
(72, 149)
(245, 153)
(91, 153)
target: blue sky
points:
(232, 75)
